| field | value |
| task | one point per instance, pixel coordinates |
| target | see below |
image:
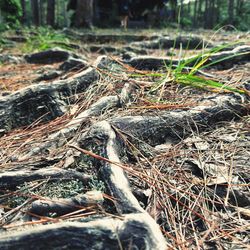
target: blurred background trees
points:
(208, 14)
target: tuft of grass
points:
(45, 38)
(203, 83)
(199, 62)
(183, 74)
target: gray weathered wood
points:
(165, 42)
(136, 230)
(178, 124)
(50, 56)
(46, 100)
(12, 179)
(65, 206)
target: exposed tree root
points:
(103, 49)
(222, 60)
(176, 125)
(50, 56)
(99, 234)
(185, 42)
(102, 140)
(61, 137)
(104, 150)
(104, 38)
(65, 206)
(10, 180)
(44, 101)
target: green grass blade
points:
(197, 81)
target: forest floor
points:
(98, 108)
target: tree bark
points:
(188, 42)
(231, 12)
(195, 13)
(84, 13)
(51, 13)
(218, 6)
(12, 179)
(239, 7)
(199, 16)
(64, 13)
(24, 12)
(41, 11)
(206, 15)
(35, 12)
(52, 99)
(136, 230)
(154, 130)
(173, 4)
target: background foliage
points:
(208, 14)
(11, 13)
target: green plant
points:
(199, 62)
(96, 184)
(59, 189)
(64, 189)
(186, 22)
(45, 38)
(185, 72)
(11, 11)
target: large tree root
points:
(125, 52)
(10, 180)
(50, 56)
(103, 49)
(17, 39)
(6, 58)
(69, 60)
(105, 38)
(222, 60)
(185, 42)
(102, 140)
(105, 147)
(61, 137)
(130, 231)
(101, 150)
(172, 125)
(46, 101)
(65, 206)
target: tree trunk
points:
(173, 4)
(24, 12)
(239, 7)
(181, 13)
(231, 12)
(212, 13)
(51, 13)
(35, 12)
(195, 13)
(206, 14)
(199, 16)
(209, 14)
(217, 18)
(42, 12)
(189, 9)
(64, 13)
(84, 13)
